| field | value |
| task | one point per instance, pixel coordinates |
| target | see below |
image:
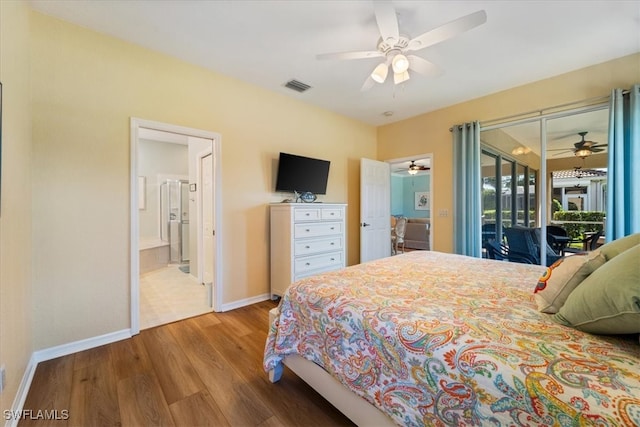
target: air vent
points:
(297, 86)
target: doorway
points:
(175, 176)
(411, 196)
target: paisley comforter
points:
(440, 339)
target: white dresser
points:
(306, 239)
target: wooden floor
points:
(202, 371)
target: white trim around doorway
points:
(135, 125)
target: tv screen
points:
(301, 174)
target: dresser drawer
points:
(317, 229)
(317, 263)
(306, 214)
(331, 214)
(314, 246)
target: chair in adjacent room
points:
(397, 236)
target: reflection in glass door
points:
(510, 179)
(535, 185)
(508, 193)
(489, 200)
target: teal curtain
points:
(467, 186)
(623, 173)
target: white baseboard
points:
(23, 390)
(76, 346)
(245, 302)
(52, 353)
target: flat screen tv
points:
(302, 174)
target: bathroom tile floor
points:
(168, 295)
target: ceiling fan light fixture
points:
(379, 74)
(518, 151)
(413, 171)
(583, 152)
(400, 63)
(400, 77)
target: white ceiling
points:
(268, 42)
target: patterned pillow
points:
(562, 277)
(608, 301)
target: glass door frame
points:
(500, 158)
(543, 181)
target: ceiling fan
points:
(582, 148)
(394, 47)
(415, 168)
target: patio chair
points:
(557, 238)
(524, 243)
(498, 251)
(590, 243)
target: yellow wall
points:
(429, 133)
(85, 88)
(15, 210)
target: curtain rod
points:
(536, 113)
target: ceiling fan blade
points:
(351, 55)
(448, 30)
(387, 21)
(368, 84)
(422, 66)
(597, 150)
(562, 152)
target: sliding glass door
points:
(549, 169)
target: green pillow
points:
(608, 301)
(616, 247)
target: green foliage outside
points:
(576, 231)
(490, 216)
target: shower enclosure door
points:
(174, 219)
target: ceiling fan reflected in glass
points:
(396, 48)
(583, 148)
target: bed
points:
(429, 338)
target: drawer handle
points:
(333, 259)
(333, 228)
(307, 230)
(332, 243)
(332, 213)
(307, 214)
(308, 263)
(307, 247)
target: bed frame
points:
(350, 404)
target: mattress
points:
(432, 338)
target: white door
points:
(208, 253)
(375, 210)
